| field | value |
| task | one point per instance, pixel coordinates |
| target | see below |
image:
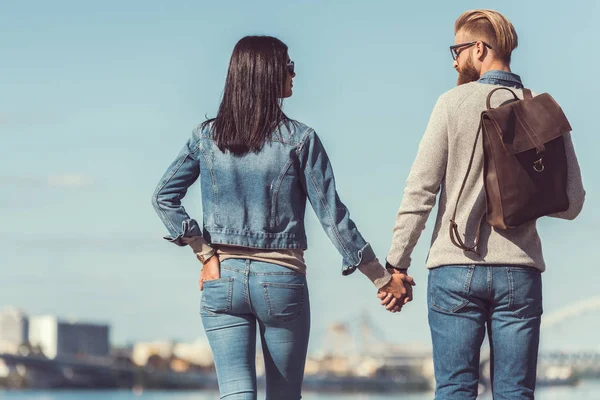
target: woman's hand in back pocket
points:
(210, 271)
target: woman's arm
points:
(173, 186)
(319, 183)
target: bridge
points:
(571, 311)
(340, 340)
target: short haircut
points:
(491, 27)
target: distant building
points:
(197, 353)
(142, 352)
(60, 338)
(14, 326)
(14, 330)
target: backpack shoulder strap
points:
(454, 234)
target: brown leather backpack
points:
(525, 164)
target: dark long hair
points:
(250, 111)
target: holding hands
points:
(397, 292)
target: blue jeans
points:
(275, 297)
(462, 301)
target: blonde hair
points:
(491, 27)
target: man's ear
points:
(480, 50)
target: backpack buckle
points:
(538, 166)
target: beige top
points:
(440, 166)
(290, 258)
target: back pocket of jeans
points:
(525, 292)
(449, 288)
(216, 295)
(284, 300)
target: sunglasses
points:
(455, 50)
(290, 67)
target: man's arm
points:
(422, 186)
(575, 191)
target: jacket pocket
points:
(217, 296)
(525, 292)
(285, 301)
(449, 288)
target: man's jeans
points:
(462, 301)
(275, 297)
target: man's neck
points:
(495, 66)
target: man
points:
(500, 287)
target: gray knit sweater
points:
(440, 166)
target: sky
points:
(97, 98)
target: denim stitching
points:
(430, 285)
(510, 290)
(231, 269)
(452, 311)
(230, 296)
(294, 286)
(278, 182)
(502, 81)
(303, 140)
(267, 298)
(161, 187)
(214, 229)
(468, 282)
(282, 140)
(333, 225)
(247, 285)
(466, 287)
(284, 285)
(229, 300)
(490, 282)
(511, 301)
(276, 273)
(214, 184)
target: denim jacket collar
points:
(503, 78)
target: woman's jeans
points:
(274, 297)
(463, 301)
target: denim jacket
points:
(258, 200)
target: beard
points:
(467, 73)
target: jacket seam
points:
(232, 231)
(278, 183)
(303, 140)
(194, 148)
(333, 225)
(162, 186)
(214, 184)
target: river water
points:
(587, 390)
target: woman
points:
(257, 168)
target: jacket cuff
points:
(189, 229)
(375, 272)
(365, 254)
